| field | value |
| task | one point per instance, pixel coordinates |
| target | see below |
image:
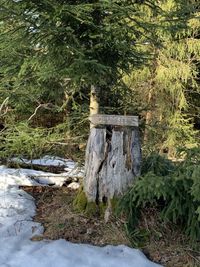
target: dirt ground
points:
(163, 244)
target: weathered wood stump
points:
(113, 157)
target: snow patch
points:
(33, 177)
(17, 209)
(47, 161)
(61, 253)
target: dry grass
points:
(55, 211)
(164, 244)
(167, 244)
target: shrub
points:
(174, 187)
(22, 140)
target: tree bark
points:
(148, 117)
(113, 159)
(94, 101)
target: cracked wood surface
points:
(113, 159)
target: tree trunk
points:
(113, 159)
(148, 117)
(94, 101)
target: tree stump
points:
(113, 157)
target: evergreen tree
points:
(54, 51)
(90, 42)
(84, 42)
(166, 90)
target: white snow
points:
(34, 177)
(60, 253)
(74, 185)
(17, 209)
(68, 164)
(47, 161)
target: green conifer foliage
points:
(168, 87)
(173, 188)
(53, 51)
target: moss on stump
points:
(81, 204)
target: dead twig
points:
(46, 106)
(4, 105)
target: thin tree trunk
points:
(148, 117)
(94, 101)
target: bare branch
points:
(37, 108)
(4, 106)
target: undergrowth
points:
(23, 140)
(172, 187)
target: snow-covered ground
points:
(47, 161)
(17, 209)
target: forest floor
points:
(162, 244)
